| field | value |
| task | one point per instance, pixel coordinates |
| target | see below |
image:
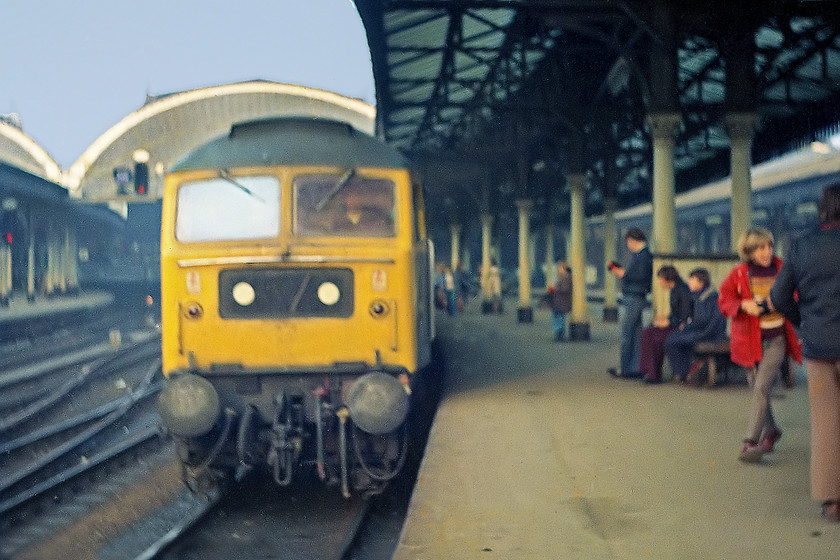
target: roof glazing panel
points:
(462, 72)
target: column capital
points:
(741, 124)
(576, 180)
(486, 218)
(664, 125)
(524, 204)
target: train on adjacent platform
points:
(296, 304)
(785, 191)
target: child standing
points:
(561, 301)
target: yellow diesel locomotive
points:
(296, 303)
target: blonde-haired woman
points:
(761, 338)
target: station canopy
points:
(539, 89)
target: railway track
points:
(119, 494)
(71, 460)
(259, 519)
(63, 426)
(32, 339)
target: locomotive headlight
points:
(378, 403)
(328, 293)
(243, 294)
(189, 405)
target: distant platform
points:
(20, 308)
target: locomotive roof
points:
(292, 141)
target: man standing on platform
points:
(636, 283)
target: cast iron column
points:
(741, 127)
(610, 242)
(486, 232)
(663, 126)
(455, 244)
(578, 323)
(525, 311)
(664, 238)
(550, 272)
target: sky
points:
(72, 70)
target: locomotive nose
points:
(189, 405)
(378, 403)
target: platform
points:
(20, 308)
(536, 453)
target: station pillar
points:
(30, 261)
(741, 128)
(486, 233)
(70, 280)
(578, 323)
(550, 271)
(663, 126)
(525, 312)
(455, 244)
(5, 273)
(52, 263)
(664, 235)
(610, 243)
(63, 265)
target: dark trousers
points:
(652, 351)
(631, 329)
(678, 348)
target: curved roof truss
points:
(21, 151)
(569, 84)
(170, 126)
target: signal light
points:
(141, 178)
(8, 237)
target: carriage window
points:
(228, 208)
(343, 205)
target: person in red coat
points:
(761, 338)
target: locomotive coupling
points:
(378, 403)
(189, 405)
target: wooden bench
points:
(716, 356)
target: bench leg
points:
(723, 369)
(712, 363)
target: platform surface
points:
(536, 453)
(20, 308)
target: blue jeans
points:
(558, 324)
(452, 301)
(631, 332)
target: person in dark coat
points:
(811, 272)
(560, 301)
(707, 324)
(635, 285)
(651, 350)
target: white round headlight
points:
(243, 294)
(328, 293)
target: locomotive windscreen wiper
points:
(342, 182)
(225, 174)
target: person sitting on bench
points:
(651, 349)
(707, 324)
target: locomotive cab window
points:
(344, 204)
(228, 208)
